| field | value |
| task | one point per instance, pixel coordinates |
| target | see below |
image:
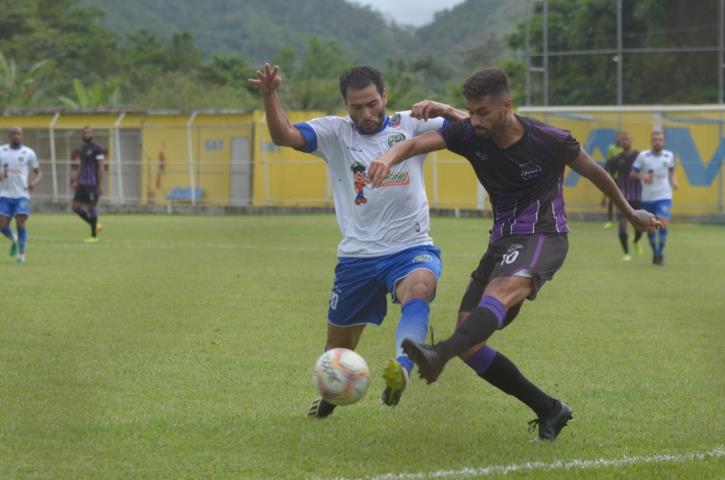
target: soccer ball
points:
(341, 376)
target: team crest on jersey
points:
(481, 156)
(529, 171)
(395, 120)
(395, 138)
(21, 159)
(423, 258)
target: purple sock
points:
(481, 360)
(498, 308)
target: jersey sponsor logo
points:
(481, 156)
(529, 171)
(395, 138)
(354, 148)
(396, 179)
(395, 120)
(423, 258)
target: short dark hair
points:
(488, 81)
(358, 78)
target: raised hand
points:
(426, 109)
(268, 79)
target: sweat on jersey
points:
(525, 180)
(373, 221)
(20, 162)
(659, 165)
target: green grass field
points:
(181, 347)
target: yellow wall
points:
(283, 176)
(696, 138)
(211, 136)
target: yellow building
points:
(225, 158)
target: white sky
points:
(409, 12)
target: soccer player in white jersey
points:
(656, 170)
(17, 160)
(385, 245)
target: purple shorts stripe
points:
(537, 252)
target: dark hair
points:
(488, 81)
(358, 78)
(357, 167)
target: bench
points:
(183, 194)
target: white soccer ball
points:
(341, 376)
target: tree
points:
(18, 89)
(98, 95)
(666, 77)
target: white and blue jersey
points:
(17, 163)
(659, 165)
(385, 229)
(390, 218)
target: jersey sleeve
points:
(638, 162)
(570, 149)
(452, 133)
(99, 155)
(319, 134)
(671, 164)
(423, 126)
(33, 159)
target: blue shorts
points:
(361, 284)
(659, 208)
(10, 207)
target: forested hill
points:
(260, 29)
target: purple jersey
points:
(525, 180)
(91, 154)
(620, 168)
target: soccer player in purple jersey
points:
(620, 167)
(520, 161)
(88, 184)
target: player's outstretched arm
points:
(588, 168)
(280, 129)
(426, 109)
(425, 143)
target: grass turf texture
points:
(181, 347)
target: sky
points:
(409, 12)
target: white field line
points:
(159, 244)
(164, 245)
(717, 452)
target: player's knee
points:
(510, 290)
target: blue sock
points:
(7, 232)
(414, 325)
(22, 239)
(481, 360)
(652, 237)
(662, 237)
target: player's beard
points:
(497, 127)
(370, 126)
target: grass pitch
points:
(181, 347)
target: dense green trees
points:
(60, 53)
